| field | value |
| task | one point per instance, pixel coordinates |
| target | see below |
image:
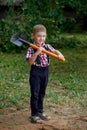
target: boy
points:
(39, 72)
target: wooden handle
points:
(47, 52)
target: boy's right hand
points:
(39, 50)
(33, 58)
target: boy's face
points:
(39, 37)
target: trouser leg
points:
(34, 87)
(38, 83)
(42, 91)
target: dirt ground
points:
(62, 118)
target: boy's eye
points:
(41, 36)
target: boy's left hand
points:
(60, 55)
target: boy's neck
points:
(39, 44)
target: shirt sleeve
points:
(50, 48)
(29, 53)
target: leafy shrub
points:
(67, 42)
(7, 29)
(49, 13)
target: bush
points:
(51, 16)
(7, 29)
(68, 42)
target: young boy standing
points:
(39, 72)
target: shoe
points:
(36, 119)
(43, 116)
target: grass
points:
(72, 77)
(67, 81)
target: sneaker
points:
(43, 116)
(36, 119)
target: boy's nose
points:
(41, 38)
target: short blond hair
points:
(38, 28)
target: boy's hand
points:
(39, 50)
(60, 56)
(33, 58)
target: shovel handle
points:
(47, 52)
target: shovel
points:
(20, 39)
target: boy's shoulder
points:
(30, 48)
(46, 44)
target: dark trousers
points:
(38, 82)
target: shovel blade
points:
(18, 39)
(16, 42)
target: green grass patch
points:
(67, 80)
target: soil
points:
(62, 118)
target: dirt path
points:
(63, 118)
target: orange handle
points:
(47, 52)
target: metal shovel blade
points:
(18, 39)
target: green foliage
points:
(69, 40)
(6, 30)
(55, 10)
(58, 17)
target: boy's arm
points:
(33, 58)
(60, 55)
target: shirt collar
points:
(43, 44)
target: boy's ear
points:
(32, 35)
